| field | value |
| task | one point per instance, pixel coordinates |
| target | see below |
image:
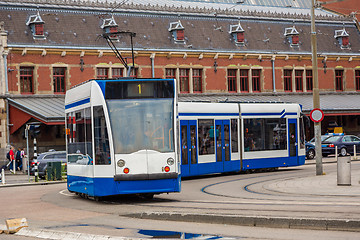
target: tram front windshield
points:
(141, 115)
(139, 124)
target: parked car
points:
(310, 150)
(323, 137)
(344, 143)
(310, 146)
(44, 158)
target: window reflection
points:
(206, 136)
(142, 124)
(264, 134)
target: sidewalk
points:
(22, 179)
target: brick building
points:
(217, 52)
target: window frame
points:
(184, 80)
(39, 29)
(299, 80)
(244, 80)
(59, 80)
(232, 80)
(288, 80)
(28, 76)
(309, 80)
(102, 75)
(339, 80)
(170, 73)
(256, 80)
(357, 80)
(240, 37)
(180, 36)
(113, 75)
(197, 80)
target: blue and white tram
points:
(231, 137)
(121, 137)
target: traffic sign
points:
(316, 115)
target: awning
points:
(48, 110)
(330, 103)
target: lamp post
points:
(316, 97)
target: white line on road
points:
(62, 192)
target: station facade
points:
(238, 56)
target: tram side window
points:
(102, 149)
(88, 133)
(206, 136)
(265, 134)
(79, 137)
(302, 133)
(234, 135)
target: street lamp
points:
(316, 97)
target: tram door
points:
(293, 141)
(188, 147)
(223, 144)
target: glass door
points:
(188, 140)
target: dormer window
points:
(110, 26)
(36, 25)
(177, 31)
(39, 29)
(343, 38)
(238, 34)
(292, 36)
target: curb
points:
(49, 234)
(29, 184)
(256, 221)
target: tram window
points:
(88, 132)
(142, 124)
(234, 135)
(206, 136)
(79, 137)
(302, 133)
(101, 139)
(265, 134)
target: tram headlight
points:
(170, 161)
(121, 163)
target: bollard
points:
(2, 176)
(344, 171)
(354, 152)
(36, 172)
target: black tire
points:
(311, 154)
(343, 152)
(147, 196)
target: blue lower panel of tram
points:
(272, 162)
(108, 187)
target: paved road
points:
(225, 201)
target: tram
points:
(120, 137)
(234, 137)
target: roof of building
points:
(48, 109)
(80, 27)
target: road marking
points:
(62, 192)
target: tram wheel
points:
(148, 196)
(97, 199)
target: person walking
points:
(18, 159)
(12, 165)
